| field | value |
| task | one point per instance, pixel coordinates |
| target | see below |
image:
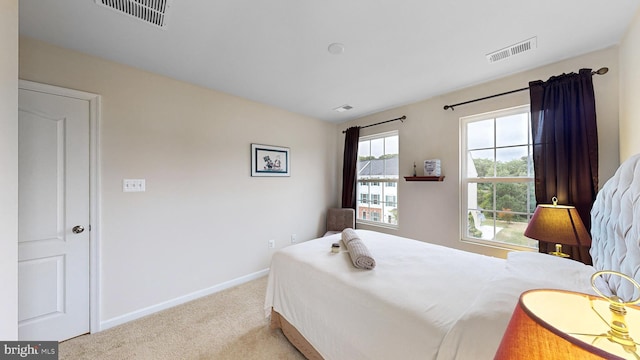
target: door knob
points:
(77, 229)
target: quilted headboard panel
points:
(615, 227)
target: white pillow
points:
(478, 331)
(551, 271)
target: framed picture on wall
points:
(267, 160)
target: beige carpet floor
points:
(226, 325)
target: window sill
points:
(376, 224)
(497, 245)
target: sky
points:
(511, 132)
(378, 146)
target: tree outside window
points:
(497, 173)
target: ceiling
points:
(276, 52)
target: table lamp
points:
(558, 224)
(558, 324)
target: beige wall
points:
(9, 166)
(630, 91)
(203, 220)
(429, 211)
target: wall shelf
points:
(424, 178)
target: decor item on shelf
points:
(414, 169)
(267, 160)
(558, 324)
(432, 167)
(558, 224)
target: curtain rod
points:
(601, 71)
(403, 117)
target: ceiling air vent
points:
(512, 50)
(153, 12)
(343, 108)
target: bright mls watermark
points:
(41, 350)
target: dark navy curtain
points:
(565, 147)
(350, 167)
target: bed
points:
(424, 301)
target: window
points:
(498, 196)
(390, 200)
(378, 179)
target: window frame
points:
(381, 183)
(465, 180)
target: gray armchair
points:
(340, 219)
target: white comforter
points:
(422, 301)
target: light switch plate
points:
(133, 185)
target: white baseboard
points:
(119, 320)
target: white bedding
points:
(422, 301)
(478, 332)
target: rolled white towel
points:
(360, 255)
(349, 234)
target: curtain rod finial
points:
(447, 107)
(602, 71)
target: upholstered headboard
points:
(340, 219)
(615, 227)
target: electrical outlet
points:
(272, 244)
(133, 185)
(293, 238)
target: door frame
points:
(94, 189)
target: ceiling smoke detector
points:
(336, 48)
(515, 49)
(343, 108)
(153, 12)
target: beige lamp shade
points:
(555, 324)
(558, 224)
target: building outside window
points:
(497, 194)
(390, 200)
(378, 179)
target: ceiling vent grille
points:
(512, 50)
(343, 108)
(153, 12)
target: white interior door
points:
(53, 241)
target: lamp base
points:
(559, 252)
